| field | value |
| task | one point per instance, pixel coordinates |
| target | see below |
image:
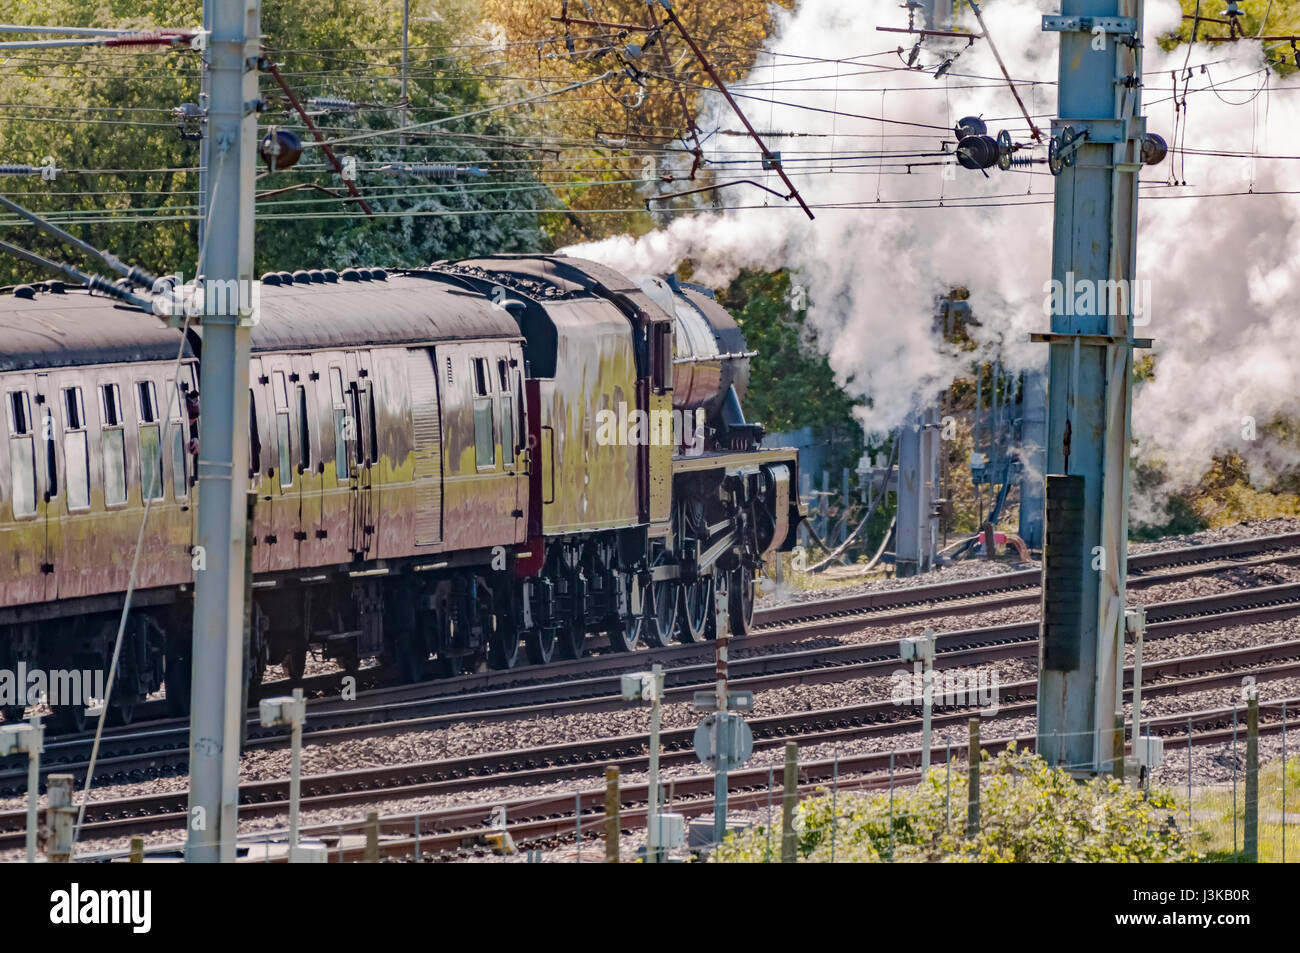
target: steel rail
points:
(577, 760)
(552, 817)
(154, 754)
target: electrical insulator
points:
(969, 126)
(977, 152)
(329, 104)
(280, 149)
(1005, 148)
(49, 172)
(433, 170)
(1154, 148)
(189, 121)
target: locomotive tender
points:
(434, 480)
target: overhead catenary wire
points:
(91, 281)
(132, 273)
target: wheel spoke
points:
(697, 610)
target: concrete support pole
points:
(27, 739)
(927, 706)
(789, 800)
(844, 505)
(60, 817)
(973, 772)
(228, 313)
(720, 782)
(372, 837)
(652, 830)
(1033, 449)
(1250, 842)
(36, 744)
(1117, 747)
(295, 773)
(612, 826)
(406, 41)
(1090, 361)
(137, 850)
(205, 128)
(918, 483)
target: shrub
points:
(1030, 812)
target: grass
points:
(805, 581)
(1212, 817)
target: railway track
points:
(154, 749)
(576, 762)
(156, 752)
(553, 817)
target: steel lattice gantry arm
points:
(1097, 148)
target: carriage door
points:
(25, 544)
(46, 411)
(509, 412)
(281, 483)
(360, 406)
(261, 451)
(306, 390)
(426, 433)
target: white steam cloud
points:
(1223, 271)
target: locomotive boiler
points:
(434, 478)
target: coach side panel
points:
(85, 449)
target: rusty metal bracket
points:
(722, 88)
(274, 70)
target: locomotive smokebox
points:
(710, 360)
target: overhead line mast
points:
(1097, 150)
(218, 647)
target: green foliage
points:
(791, 384)
(97, 109)
(1030, 812)
(1266, 16)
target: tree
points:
(93, 109)
(616, 141)
(791, 382)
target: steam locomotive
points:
(448, 466)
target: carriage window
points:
(150, 441)
(113, 445)
(662, 357)
(507, 414)
(374, 431)
(254, 440)
(146, 401)
(51, 458)
(340, 425)
(74, 412)
(180, 475)
(19, 414)
(76, 456)
(22, 457)
(304, 430)
(110, 404)
(354, 392)
(485, 451)
(281, 391)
